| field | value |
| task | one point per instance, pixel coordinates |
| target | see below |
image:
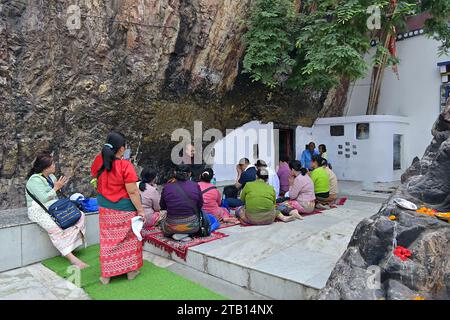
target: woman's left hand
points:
(141, 214)
(291, 180)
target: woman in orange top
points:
(119, 201)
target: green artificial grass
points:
(154, 283)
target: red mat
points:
(224, 225)
(155, 237)
(340, 201)
(311, 214)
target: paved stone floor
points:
(313, 246)
(304, 252)
(36, 282)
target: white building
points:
(400, 131)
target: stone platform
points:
(23, 242)
(283, 260)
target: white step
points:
(283, 260)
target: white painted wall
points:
(374, 159)
(415, 95)
(239, 144)
(303, 136)
(372, 163)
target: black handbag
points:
(64, 212)
(204, 223)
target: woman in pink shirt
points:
(150, 198)
(301, 190)
(284, 172)
(212, 198)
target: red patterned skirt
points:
(120, 249)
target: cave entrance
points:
(286, 141)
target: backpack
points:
(88, 204)
(215, 224)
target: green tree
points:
(327, 40)
(270, 40)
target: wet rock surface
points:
(145, 68)
(368, 269)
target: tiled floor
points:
(36, 282)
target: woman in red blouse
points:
(119, 201)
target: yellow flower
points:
(392, 217)
(419, 298)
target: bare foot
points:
(76, 262)
(294, 213)
(285, 218)
(230, 220)
(82, 265)
(320, 206)
(133, 274)
(105, 281)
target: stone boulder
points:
(368, 269)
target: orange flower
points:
(427, 211)
(419, 298)
(392, 217)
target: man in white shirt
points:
(274, 181)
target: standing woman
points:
(323, 151)
(43, 184)
(119, 201)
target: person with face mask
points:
(119, 201)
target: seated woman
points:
(324, 155)
(182, 199)
(284, 172)
(43, 184)
(301, 189)
(333, 184)
(321, 181)
(150, 198)
(212, 198)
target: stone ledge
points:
(23, 242)
(18, 217)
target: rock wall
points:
(369, 257)
(69, 74)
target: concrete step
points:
(23, 242)
(283, 260)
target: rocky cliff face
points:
(369, 258)
(72, 71)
